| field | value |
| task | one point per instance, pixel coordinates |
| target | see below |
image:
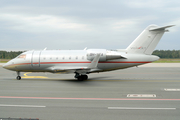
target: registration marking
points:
(133, 108)
(6, 105)
(141, 95)
(171, 89)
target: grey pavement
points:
(102, 97)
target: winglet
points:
(94, 62)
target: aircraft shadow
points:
(64, 80)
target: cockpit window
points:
(22, 56)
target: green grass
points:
(4, 60)
(168, 61)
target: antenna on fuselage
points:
(85, 48)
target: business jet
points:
(83, 62)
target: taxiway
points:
(134, 93)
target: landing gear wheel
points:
(84, 77)
(80, 78)
(18, 77)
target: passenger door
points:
(35, 61)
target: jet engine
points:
(104, 54)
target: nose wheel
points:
(18, 77)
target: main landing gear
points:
(81, 77)
(18, 77)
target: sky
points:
(76, 24)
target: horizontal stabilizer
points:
(160, 28)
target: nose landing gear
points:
(18, 77)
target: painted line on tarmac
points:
(133, 108)
(26, 76)
(5, 105)
(171, 89)
(141, 95)
(61, 98)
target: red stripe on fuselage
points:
(61, 62)
(19, 64)
(82, 62)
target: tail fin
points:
(146, 42)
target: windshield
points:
(22, 56)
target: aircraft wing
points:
(80, 69)
(94, 62)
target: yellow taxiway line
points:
(26, 76)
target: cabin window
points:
(56, 57)
(22, 56)
(82, 57)
(63, 58)
(76, 57)
(69, 57)
(44, 58)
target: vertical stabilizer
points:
(146, 42)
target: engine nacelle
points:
(104, 54)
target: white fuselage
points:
(46, 60)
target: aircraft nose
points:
(5, 66)
(8, 66)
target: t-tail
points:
(146, 42)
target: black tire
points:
(80, 78)
(84, 77)
(18, 77)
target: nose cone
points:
(5, 66)
(9, 66)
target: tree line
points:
(160, 53)
(9, 54)
(167, 53)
